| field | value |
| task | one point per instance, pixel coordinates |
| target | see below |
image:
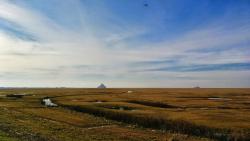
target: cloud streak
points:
(95, 44)
(206, 67)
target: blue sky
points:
(123, 43)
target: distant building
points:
(101, 86)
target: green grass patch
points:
(6, 137)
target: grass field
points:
(125, 114)
(5, 137)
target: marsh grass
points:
(155, 109)
(150, 121)
(153, 104)
(6, 137)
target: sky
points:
(125, 43)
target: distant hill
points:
(101, 86)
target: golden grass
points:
(179, 110)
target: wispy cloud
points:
(206, 67)
(86, 42)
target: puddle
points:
(48, 102)
(15, 95)
(122, 108)
(130, 92)
(218, 98)
(153, 104)
(18, 95)
(99, 101)
(103, 126)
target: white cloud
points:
(107, 52)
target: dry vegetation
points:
(126, 114)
